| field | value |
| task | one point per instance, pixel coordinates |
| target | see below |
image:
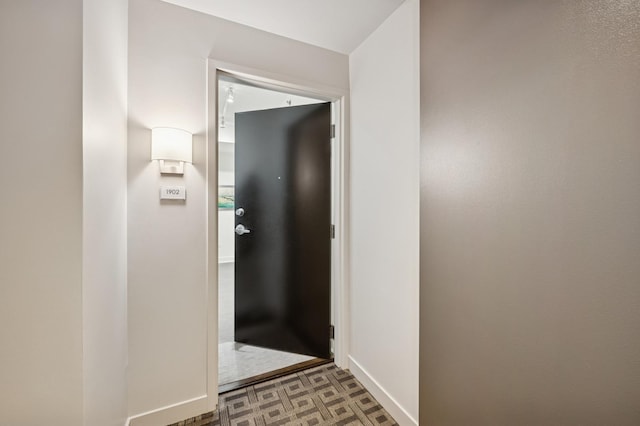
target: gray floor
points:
(238, 361)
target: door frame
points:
(340, 173)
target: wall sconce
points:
(172, 148)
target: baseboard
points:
(226, 259)
(171, 413)
(399, 414)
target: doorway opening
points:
(276, 216)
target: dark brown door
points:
(283, 246)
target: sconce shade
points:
(171, 144)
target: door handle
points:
(241, 230)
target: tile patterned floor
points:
(323, 396)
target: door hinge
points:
(333, 232)
(332, 332)
(333, 131)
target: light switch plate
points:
(173, 193)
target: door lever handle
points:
(241, 230)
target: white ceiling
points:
(339, 25)
(251, 98)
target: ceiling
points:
(250, 98)
(338, 25)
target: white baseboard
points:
(226, 259)
(171, 413)
(398, 413)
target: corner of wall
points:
(383, 396)
(384, 253)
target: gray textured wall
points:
(41, 212)
(530, 212)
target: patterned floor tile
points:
(320, 396)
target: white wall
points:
(530, 213)
(104, 278)
(168, 49)
(384, 212)
(226, 236)
(226, 218)
(41, 212)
